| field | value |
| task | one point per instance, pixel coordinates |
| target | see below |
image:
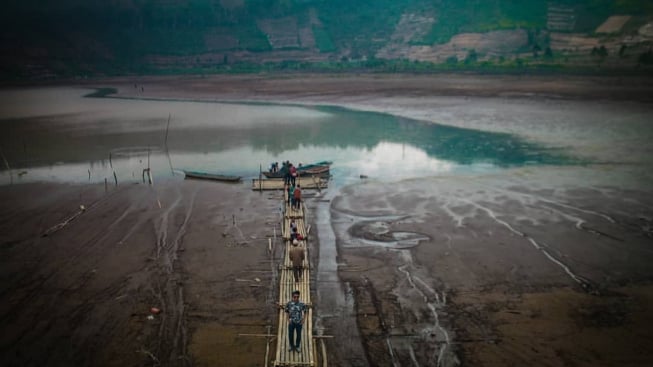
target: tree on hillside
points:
(600, 53)
(472, 57)
(646, 58)
(536, 51)
(622, 51)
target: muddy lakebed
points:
(485, 230)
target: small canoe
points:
(211, 176)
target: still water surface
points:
(56, 134)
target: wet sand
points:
(523, 269)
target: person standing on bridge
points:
(295, 310)
(293, 174)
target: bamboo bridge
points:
(307, 356)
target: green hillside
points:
(76, 37)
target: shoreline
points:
(578, 84)
(304, 86)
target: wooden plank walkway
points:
(307, 356)
(277, 183)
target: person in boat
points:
(297, 195)
(297, 257)
(296, 311)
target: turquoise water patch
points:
(461, 146)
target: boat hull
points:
(211, 176)
(320, 169)
(306, 173)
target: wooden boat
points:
(211, 176)
(320, 169)
(315, 171)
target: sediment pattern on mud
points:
(168, 285)
(480, 236)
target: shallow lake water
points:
(56, 134)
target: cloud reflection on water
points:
(83, 133)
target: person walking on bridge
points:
(297, 196)
(293, 174)
(291, 192)
(297, 257)
(295, 310)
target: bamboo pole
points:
(267, 348)
(325, 362)
(165, 142)
(309, 354)
(268, 335)
(316, 184)
(149, 171)
(170, 161)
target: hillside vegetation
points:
(78, 37)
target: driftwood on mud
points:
(59, 226)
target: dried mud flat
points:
(349, 89)
(473, 271)
(81, 295)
